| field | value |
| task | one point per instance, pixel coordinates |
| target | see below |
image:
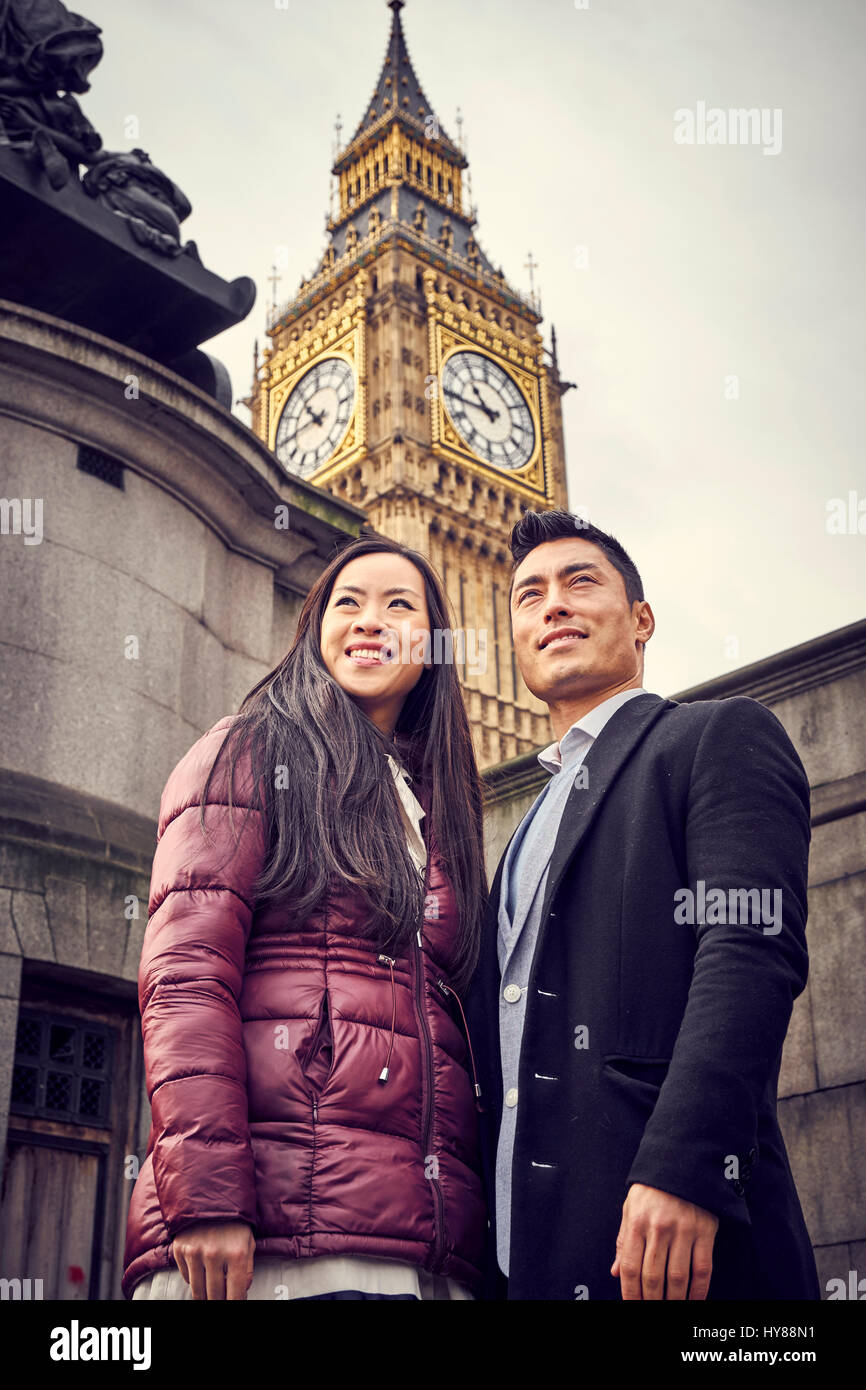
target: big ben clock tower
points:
(408, 377)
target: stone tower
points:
(409, 378)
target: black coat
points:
(677, 1086)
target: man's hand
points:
(216, 1258)
(665, 1246)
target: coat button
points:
(512, 993)
(511, 1096)
(738, 1188)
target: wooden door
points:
(66, 1177)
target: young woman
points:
(314, 916)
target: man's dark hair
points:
(536, 528)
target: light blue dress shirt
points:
(522, 889)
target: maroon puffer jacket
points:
(264, 1039)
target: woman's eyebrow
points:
(400, 589)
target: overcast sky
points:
(708, 298)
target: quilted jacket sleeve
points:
(189, 981)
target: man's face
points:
(570, 584)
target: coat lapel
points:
(488, 963)
(497, 881)
(481, 1004)
(609, 752)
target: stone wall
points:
(143, 614)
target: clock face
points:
(488, 410)
(315, 416)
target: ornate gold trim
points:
(456, 328)
(340, 333)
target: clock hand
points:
(300, 430)
(486, 408)
(316, 420)
(476, 405)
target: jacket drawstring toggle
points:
(449, 989)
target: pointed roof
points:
(398, 93)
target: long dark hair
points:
(338, 817)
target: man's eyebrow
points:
(560, 573)
(387, 593)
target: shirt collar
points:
(583, 732)
(412, 810)
(402, 779)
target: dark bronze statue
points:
(46, 54)
(135, 189)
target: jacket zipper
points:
(320, 1026)
(439, 1216)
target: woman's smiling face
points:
(373, 633)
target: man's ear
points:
(645, 624)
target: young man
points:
(644, 945)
